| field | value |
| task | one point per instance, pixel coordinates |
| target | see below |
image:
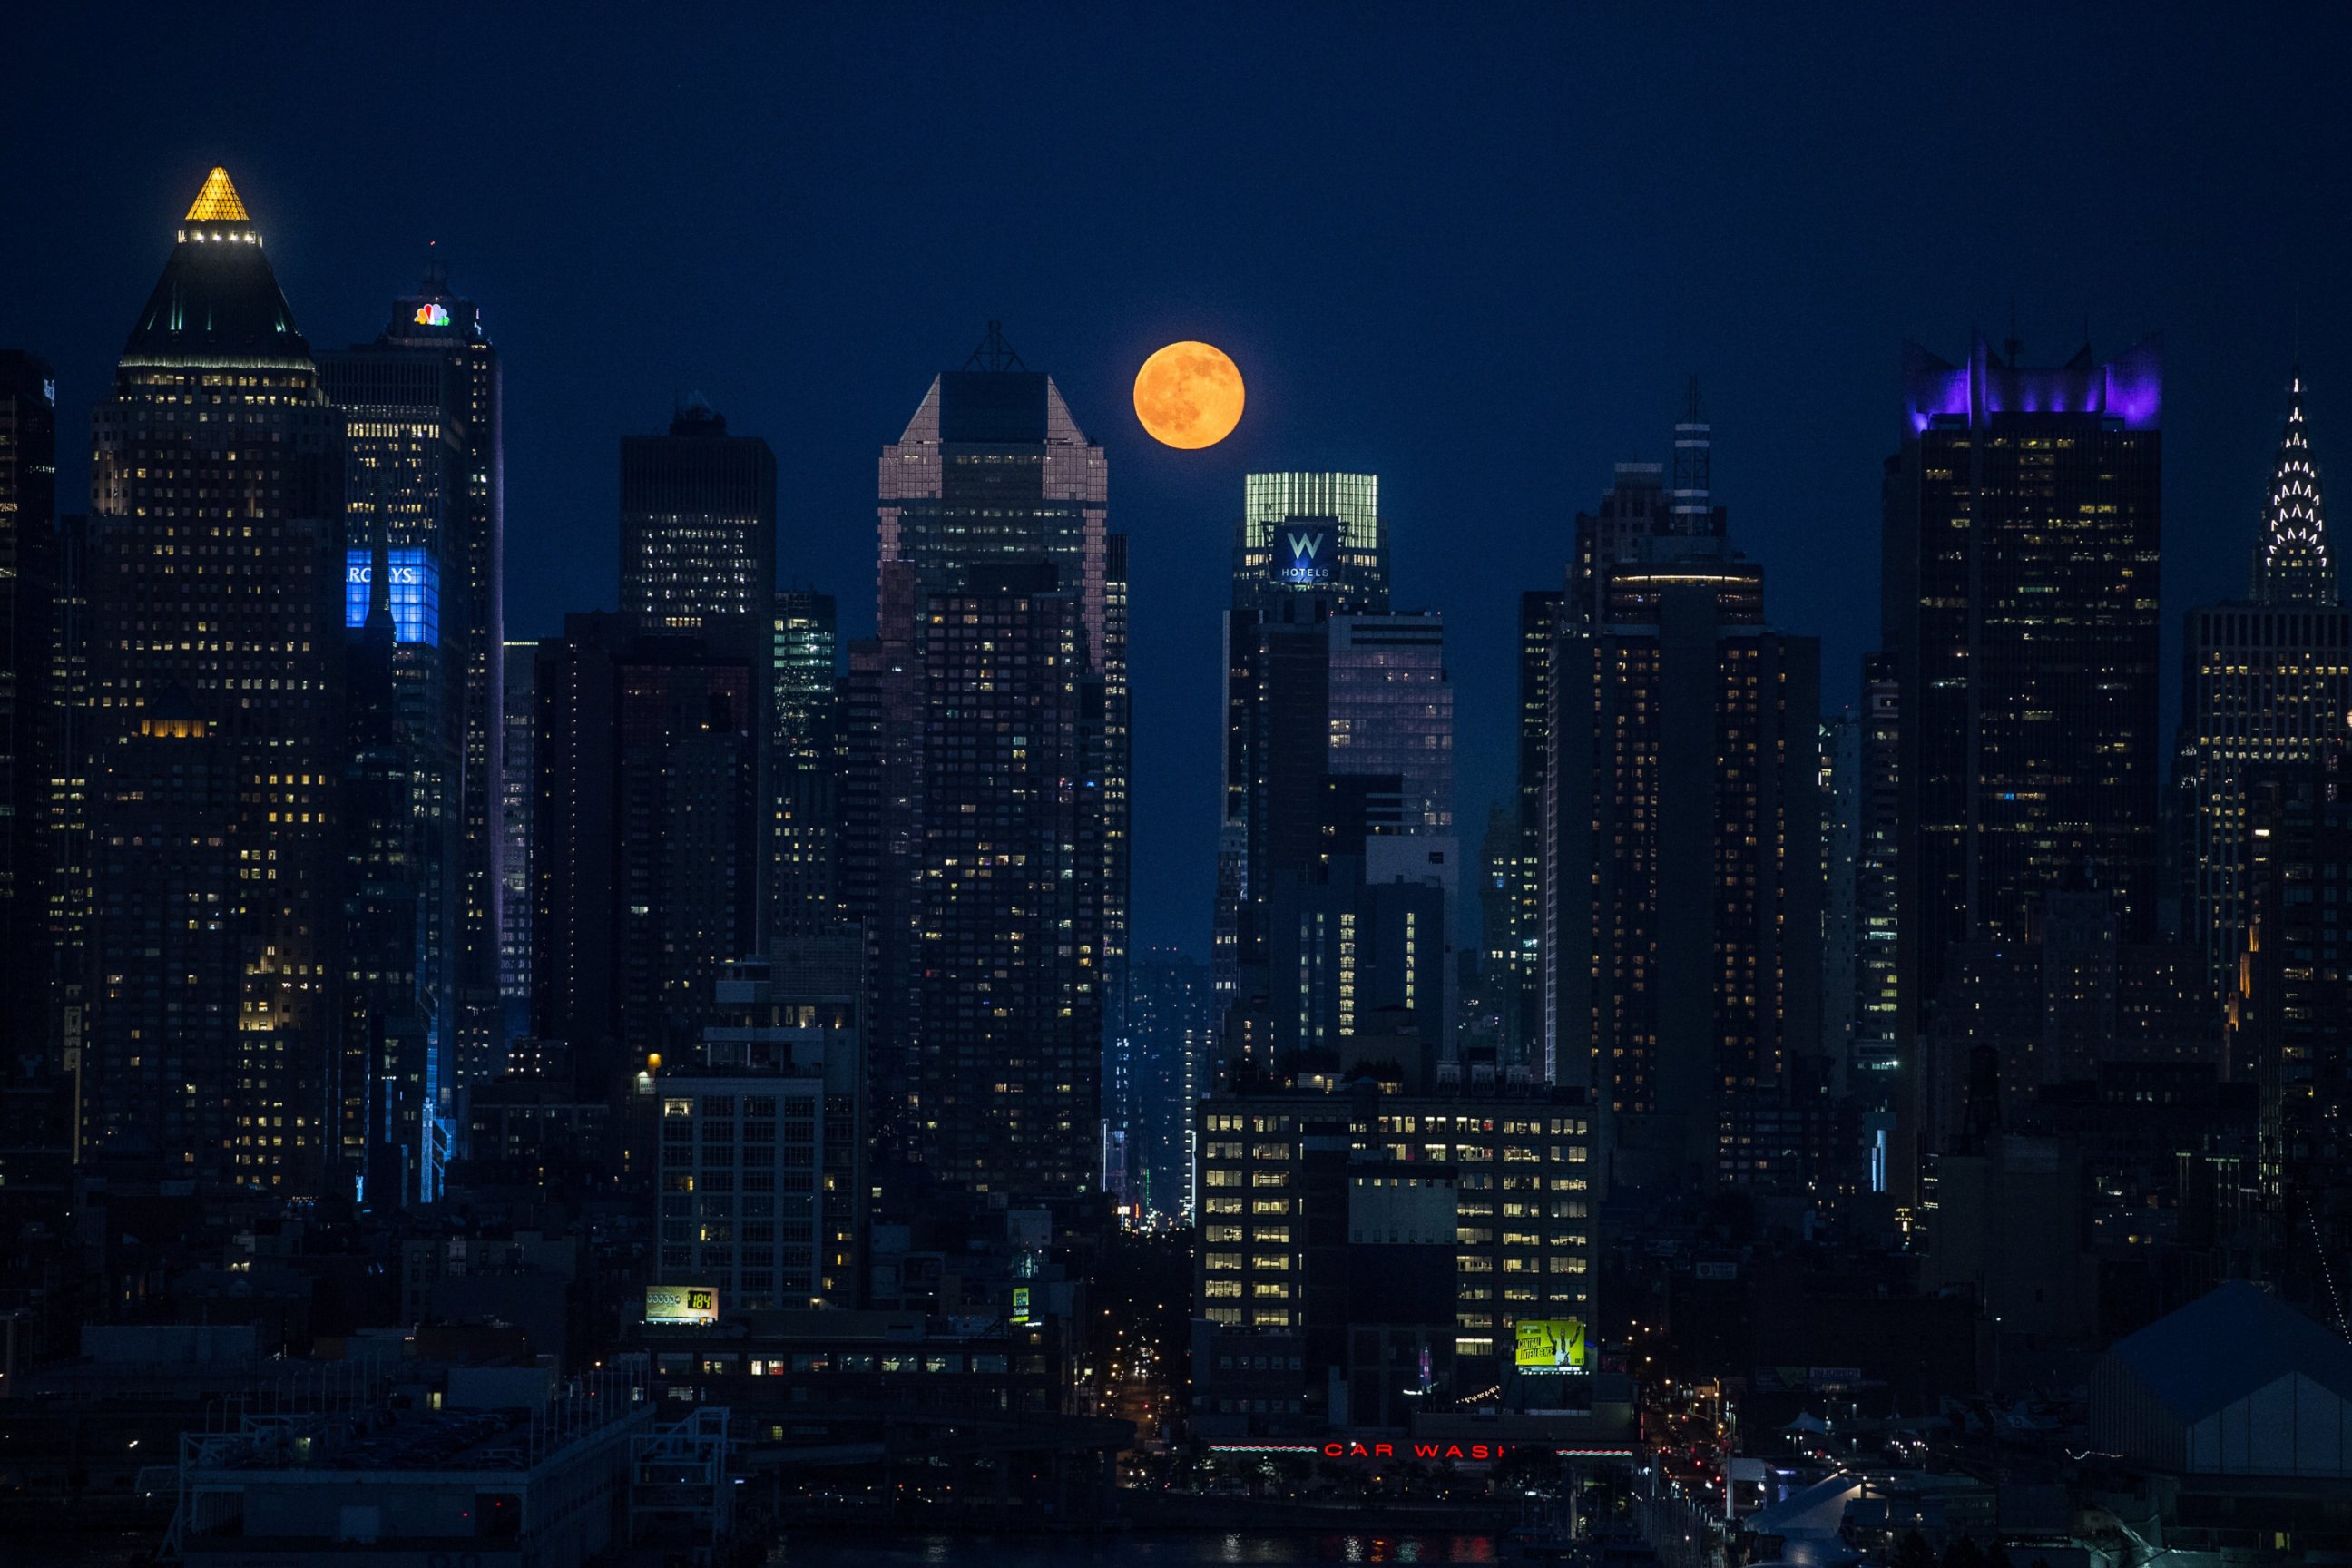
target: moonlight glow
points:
(1189, 394)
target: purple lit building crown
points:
(2128, 387)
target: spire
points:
(995, 352)
(217, 201)
(1694, 438)
(2293, 563)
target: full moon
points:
(1189, 394)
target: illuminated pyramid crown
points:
(218, 201)
(2292, 564)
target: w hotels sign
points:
(1303, 553)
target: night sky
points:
(1476, 250)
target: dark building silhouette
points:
(30, 724)
(72, 859)
(398, 897)
(2293, 1017)
(519, 692)
(698, 557)
(1539, 625)
(1683, 908)
(644, 869)
(216, 583)
(2022, 524)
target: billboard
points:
(1551, 1344)
(681, 1304)
(1304, 551)
(415, 593)
(1021, 1303)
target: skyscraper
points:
(645, 809)
(1541, 611)
(1682, 911)
(435, 321)
(398, 848)
(72, 859)
(807, 759)
(408, 511)
(2265, 680)
(28, 722)
(216, 616)
(699, 527)
(699, 557)
(1008, 900)
(990, 480)
(2022, 525)
(1637, 507)
(1319, 533)
(2293, 1017)
(519, 686)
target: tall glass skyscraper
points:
(408, 511)
(216, 619)
(437, 321)
(2266, 679)
(991, 481)
(2023, 528)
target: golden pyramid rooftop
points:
(219, 202)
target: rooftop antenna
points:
(995, 352)
(436, 270)
(2012, 345)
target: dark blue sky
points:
(1476, 250)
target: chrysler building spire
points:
(2293, 563)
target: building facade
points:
(216, 573)
(762, 1135)
(1491, 1193)
(645, 867)
(438, 322)
(1007, 996)
(807, 753)
(518, 689)
(1683, 910)
(30, 723)
(2265, 681)
(2291, 1015)
(2022, 532)
(991, 483)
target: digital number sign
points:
(1551, 1344)
(681, 1304)
(415, 594)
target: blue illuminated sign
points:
(415, 594)
(1303, 553)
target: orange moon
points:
(1189, 395)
